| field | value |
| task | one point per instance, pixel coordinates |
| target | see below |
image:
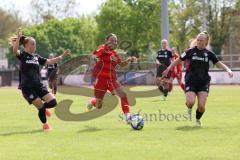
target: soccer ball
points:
(137, 122)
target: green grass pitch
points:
(108, 137)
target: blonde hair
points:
(12, 40)
(164, 40)
(193, 42)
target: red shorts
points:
(102, 85)
(178, 75)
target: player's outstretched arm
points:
(221, 65)
(15, 42)
(57, 59)
(127, 61)
(173, 64)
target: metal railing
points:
(231, 60)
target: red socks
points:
(125, 105)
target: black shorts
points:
(204, 87)
(44, 78)
(160, 70)
(30, 93)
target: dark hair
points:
(110, 35)
(24, 40)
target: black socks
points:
(42, 115)
(198, 114)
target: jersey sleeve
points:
(99, 51)
(170, 54)
(185, 55)
(213, 57)
(41, 60)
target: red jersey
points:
(178, 67)
(106, 66)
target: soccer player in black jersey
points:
(52, 74)
(163, 60)
(197, 79)
(32, 88)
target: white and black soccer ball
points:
(137, 122)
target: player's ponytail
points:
(23, 40)
(192, 43)
(12, 40)
(207, 37)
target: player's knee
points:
(190, 103)
(51, 103)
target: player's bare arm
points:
(221, 65)
(57, 59)
(173, 64)
(127, 61)
(15, 42)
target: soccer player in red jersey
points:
(176, 71)
(104, 72)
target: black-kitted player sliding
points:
(32, 88)
(197, 79)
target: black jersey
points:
(29, 68)
(198, 60)
(52, 70)
(164, 57)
